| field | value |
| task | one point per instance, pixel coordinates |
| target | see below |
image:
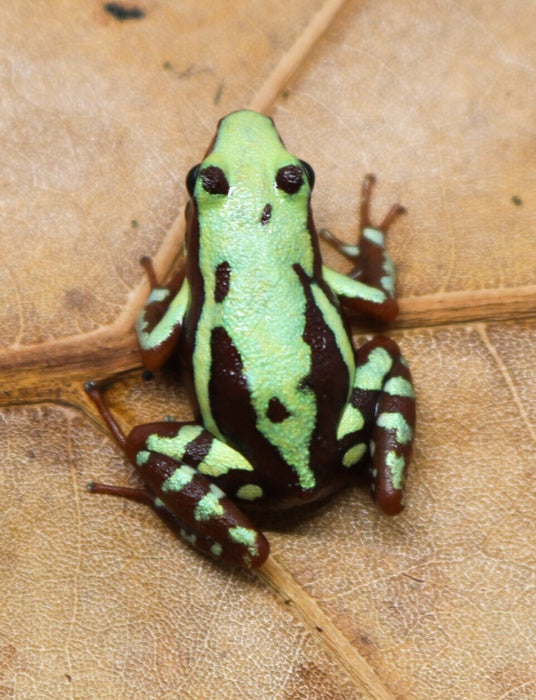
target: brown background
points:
(100, 121)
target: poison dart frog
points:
(287, 411)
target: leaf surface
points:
(101, 119)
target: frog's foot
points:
(383, 397)
(366, 195)
(354, 252)
(373, 266)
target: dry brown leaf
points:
(101, 118)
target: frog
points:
(286, 410)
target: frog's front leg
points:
(370, 286)
(174, 459)
(160, 321)
(378, 423)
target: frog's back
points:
(272, 362)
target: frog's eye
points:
(289, 178)
(214, 180)
(309, 173)
(191, 180)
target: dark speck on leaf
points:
(219, 93)
(517, 200)
(120, 12)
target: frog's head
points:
(247, 162)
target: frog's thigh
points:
(380, 420)
(176, 461)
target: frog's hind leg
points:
(379, 420)
(169, 457)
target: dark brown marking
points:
(266, 214)
(223, 278)
(276, 412)
(198, 449)
(191, 179)
(289, 178)
(328, 378)
(226, 356)
(214, 180)
(122, 13)
(309, 172)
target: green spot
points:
(222, 459)
(371, 375)
(188, 536)
(179, 479)
(158, 294)
(142, 457)
(354, 454)
(353, 289)
(517, 200)
(397, 422)
(351, 421)
(397, 466)
(246, 537)
(216, 549)
(351, 251)
(388, 281)
(388, 284)
(159, 503)
(209, 506)
(398, 386)
(249, 492)
(174, 447)
(374, 235)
